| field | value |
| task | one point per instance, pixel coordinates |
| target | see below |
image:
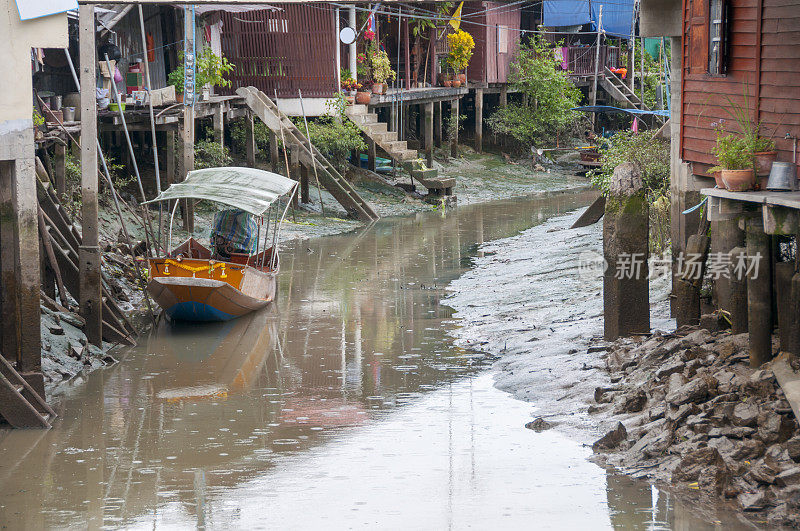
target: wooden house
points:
(495, 26)
(747, 51)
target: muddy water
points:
(345, 405)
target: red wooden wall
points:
(481, 20)
(286, 50)
(764, 61)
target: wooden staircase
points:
(398, 150)
(620, 91)
(329, 177)
(20, 405)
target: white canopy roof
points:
(248, 189)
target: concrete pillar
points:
(759, 293)
(352, 47)
(453, 132)
(788, 314)
(625, 250)
(219, 125)
(503, 101)
(437, 123)
(60, 168)
(429, 133)
(479, 120)
(393, 126)
(19, 263)
(274, 158)
(170, 176)
(89, 288)
(250, 140)
(294, 170)
(725, 235)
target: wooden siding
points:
(489, 64)
(764, 61)
(283, 50)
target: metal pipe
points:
(311, 149)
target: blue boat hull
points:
(197, 311)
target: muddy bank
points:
(528, 301)
(687, 409)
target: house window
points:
(718, 37)
(502, 39)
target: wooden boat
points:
(192, 282)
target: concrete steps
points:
(398, 150)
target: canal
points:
(347, 404)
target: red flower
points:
(369, 35)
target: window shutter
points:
(698, 37)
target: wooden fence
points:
(580, 59)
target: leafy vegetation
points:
(260, 134)
(211, 70)
(335, 138)
(651, 154)
(550, 96)
(210, 154)
(461, 45)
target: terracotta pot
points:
(738, 180)
(463, 78)
(362, 98)
(350, 99)
(763, 161)
(456, 83)
(718, 180)
(448, 82)
(179, 97)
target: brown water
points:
(346, 405)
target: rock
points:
(656, 412)
(764, 471)
(632, 402)
(601, 394)
(738, 432)
(108, 359)
(538, 424)
(724, 379)
(675, 382)
(731, 345)
(792, 447)
(694, 462)
(55, 329)
(752, 501)
(775, 428)
(612, 439)
(677, 415)
(694, 391)
(654, 443)
(699, 337)
(761, 384)
(788, 477)
(745, 414)
(671, 367)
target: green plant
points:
(345, 73)
(334, 137)
(211, 70)
(733, 152)
(38, 119)
(550, 96)
(461, 45)
(451, 126)
(211, 154)
(381, 67)
(260, 135)
(645, 149)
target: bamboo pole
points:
(310, 148)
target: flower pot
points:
(738, 180)
(350, 99)
(763, 161)
(377, 88)
(362, 98)
(179, 97)
(462, 78)
(448, 82)
(718, 180)
(456, 83)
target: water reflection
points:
(347, 397)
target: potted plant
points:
(461, 46)
(381, 70)
(210, 72)
(764, 155)
(350, 86)
(735, 162)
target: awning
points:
(248, 189)
(608, 108)
(616, 20)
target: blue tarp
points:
(617, 14)
(608, 108)
(556, 13)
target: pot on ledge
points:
(362, 98)
(738, 180)
(763, 162)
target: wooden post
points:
(19, 259)
(170, 169)
(725, 235)
(738, 294)
(593, 93)
(625, 250)
(429, 133)
(393, 126)
(89, 254)
(187, 163)
(294, 170)
(274, 157)
(250, 140)
(437, 123)
(304, 191)
(453, 132)
(60, 168)
(479, 120)
(759, 293)
(371, 154)
(219, 124)
(407, 53)
(503, 96)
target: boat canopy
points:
(247, 189)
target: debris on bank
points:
(687, 408)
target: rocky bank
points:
(687, 408)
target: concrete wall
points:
(16, 104)
(660, 18)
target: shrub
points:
(210, 154)
(335, 138)
(550, 95)
(260, 134)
